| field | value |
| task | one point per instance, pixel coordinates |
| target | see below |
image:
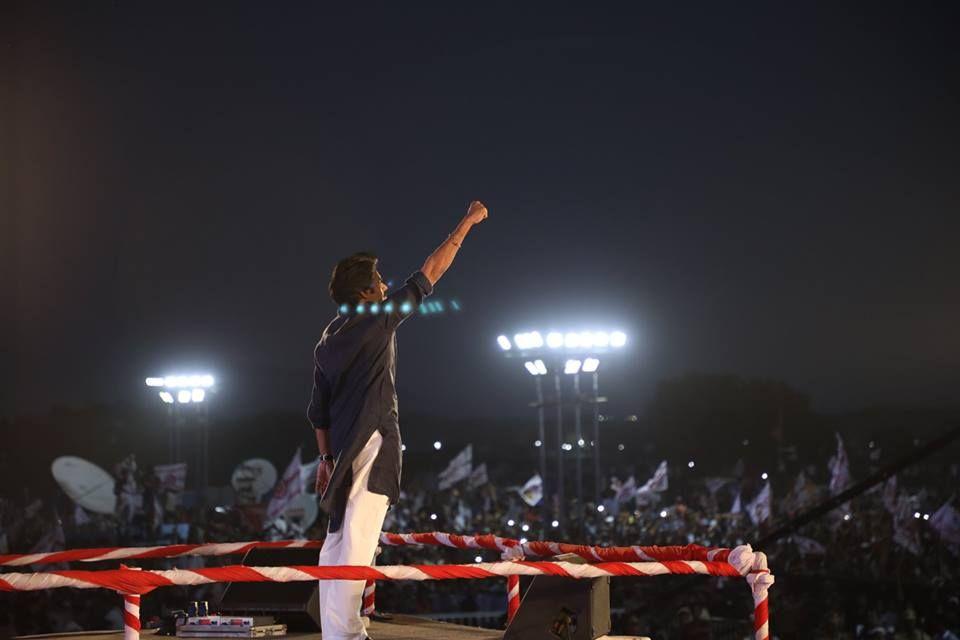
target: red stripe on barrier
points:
(547, 567)
(445, 572)
(121, 580)
(761, 614)
(131, 620)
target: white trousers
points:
(354, 544)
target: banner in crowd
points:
(946, 522)
(715, 484)
(889, 495)
(839, 467)
(478, 477)
(458, 469)
(759, 507)
(737, 507)
(288, 488)
(532, 491)
(172, 477)
(657, 483)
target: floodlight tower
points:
(567, 353)
(187, 396)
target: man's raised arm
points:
(441, 259)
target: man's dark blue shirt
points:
(354, 392)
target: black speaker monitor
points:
(295, 604)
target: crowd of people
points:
(861, 571)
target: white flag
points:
(905, 531)
(172, 477)
(839, 469)
(737, 507)
(809, 546)
(759, 507)
(532, 491)
(889, 494)
(478, 477)
(458, 469)
(308, 474)
(946, 522)
(287, 489)
(657, 483)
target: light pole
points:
(183, 393)
(584, 347)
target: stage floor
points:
(400, 628)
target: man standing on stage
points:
(353, 410)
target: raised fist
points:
(477, 212)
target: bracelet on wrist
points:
(326, 457)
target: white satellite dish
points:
(302, 510)
(253, 478)
(87, 484)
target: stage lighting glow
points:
(433, 516)
(504, 342)
(166, 396)
(586, 339)
(154, 382)
(520, 339)
(618, 339)
(691, 464)
(437, 444)
(511, 522)
(525, 527)
(916, 514)
(523, 541)
(566, 446)
(532, 368)
(601, 339)
(554, 524)
(406, 307)
(478, 559)
(926, 516)
(455, 305)
(537, 443)
(764, 476)
(374, 308)
(663, 514)
(554, 340)
(388, 308)
(541, 367)
(535, 339)
(581, 442)
(197, 395)
(600, 508)
(571, 367)
(590, 365)
(571, 340)
(344, 309)
(183, 396)
(361, 308)
(620, 447)
(403, 447)
(846, 517)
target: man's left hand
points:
(324, 471)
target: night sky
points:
(767, 191)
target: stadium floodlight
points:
(193, 381)
(601, 339)
(571, 340)
(572, 366)
(541, 367)
(520, 339)
(167, 397)
(504, 342)
(618, 339)
(554, 339)
(532, 368)
(535, 339)
(586, 339)
(197, 395)
(184, 396)
(590, 365)
(437, 445)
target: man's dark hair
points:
(351, 277)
